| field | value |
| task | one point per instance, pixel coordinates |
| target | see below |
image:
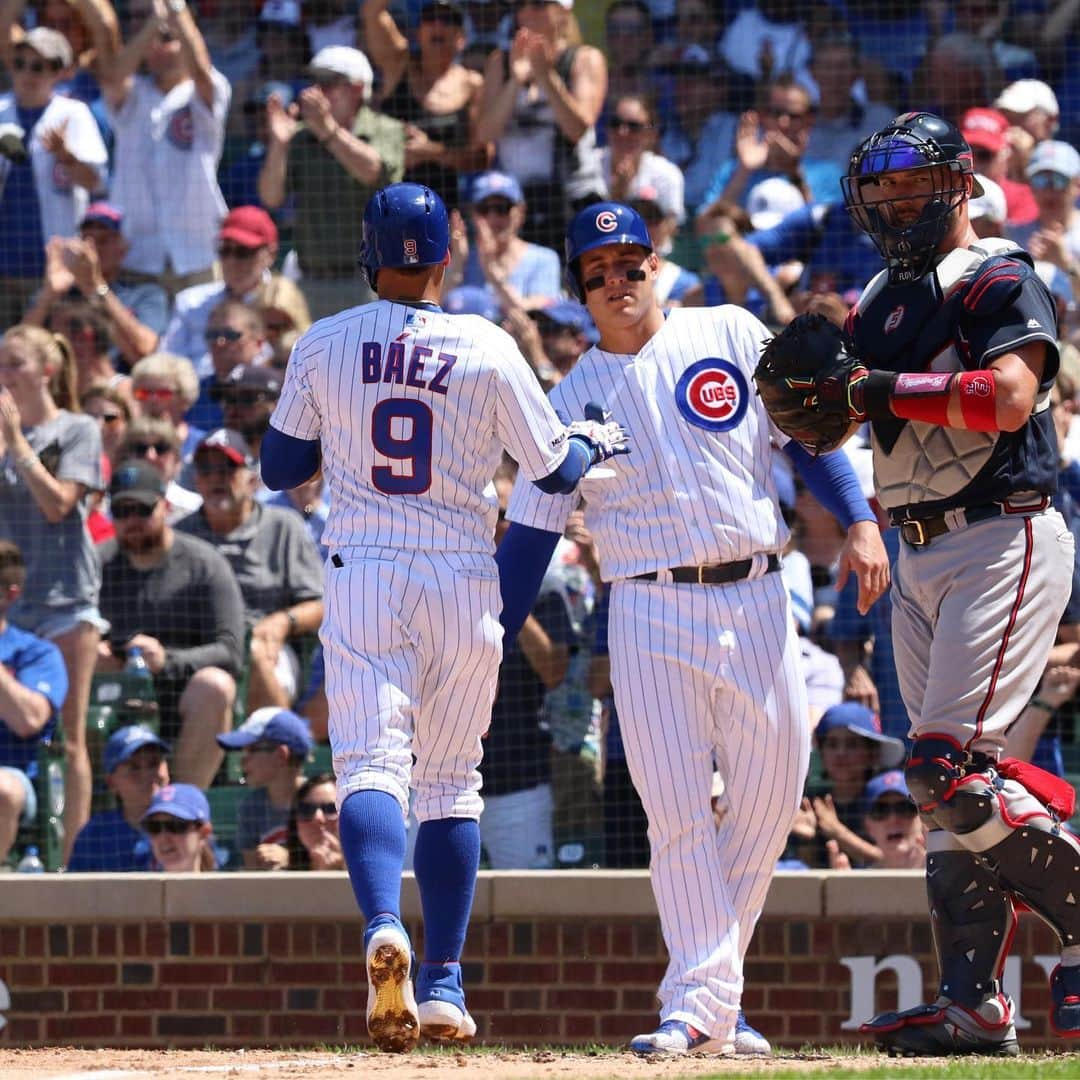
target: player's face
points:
(618, 282)
(893, 824)
(138, 779)
(901, 196)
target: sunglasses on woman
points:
(141, 449)
(173, 826)
(306, 811)
(35, 67)
(161, 393)
(1050, 181)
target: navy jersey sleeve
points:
(1006, 306)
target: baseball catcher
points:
(810, 384)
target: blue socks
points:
(373, 843)
(446, 860)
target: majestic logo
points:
(606, 221)
(712, 394)
(410, 251)
(181, 129)
(978, 386)
(893, 321)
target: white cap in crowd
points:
(1026, 94)
(990, 204)
(349, 63)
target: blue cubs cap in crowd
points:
(183, 801)
(493, 183)
(860, 720)
(128, 740)
(886, 783)
(571, 315)
(105, 214)
(472, 300)
(271, 724)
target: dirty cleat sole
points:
(392, 1019)
(443, 1021)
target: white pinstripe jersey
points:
(413, 408)
(697, 486)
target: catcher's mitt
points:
(809, 383)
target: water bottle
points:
(30, 863)
(140, 698)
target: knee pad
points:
(951, 785)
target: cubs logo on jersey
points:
(181, 129)
(712, 394)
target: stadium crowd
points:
(182, 190)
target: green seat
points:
(320, 760)
(224, 802)
(46, 832)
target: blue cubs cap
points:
(183, 801)
(472, 300)
(566, 313)
(886, 783)
(490, 184)
(128, 740)
(860, 720)
(271, 724)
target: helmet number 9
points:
(401, 430)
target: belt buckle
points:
(700, 571)
(920, 532)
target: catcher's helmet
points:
(598, 225)
(404, 225)
(914, 140)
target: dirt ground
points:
(71, 1064)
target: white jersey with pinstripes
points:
(413, 408)
(697, 486)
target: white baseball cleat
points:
(392, 1019)
(675, 1037)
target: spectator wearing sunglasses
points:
(1053, 172)
(430, 92)
(234, 335)
(631, 168)
(272, 556)
(169, 127)
(165, 386)
(247, 245)
(177, 599)
(987, 132)
(88, 267)
(772, 141)
(113, 414)
(274, 744)
(499, 259)
(331, 149)
(47, 181)
(892, 825)
(181, 833)
(248, 396)
(89, 332)
(153, 439)
(136, 769)
(313, 840)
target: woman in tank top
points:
(540, 104)
(430, 92)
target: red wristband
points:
(978, 400)
(922, 396)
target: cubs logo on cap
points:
(606, 221)
(712, 394)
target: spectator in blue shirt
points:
(33, 684)
(136, 769)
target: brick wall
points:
(140, 960)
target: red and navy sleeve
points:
(1004, 307)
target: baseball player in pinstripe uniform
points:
(409, 410)
(704, 656)
(956, 344)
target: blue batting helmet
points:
(599, 225)
(404, 225)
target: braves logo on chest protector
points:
(712, 394)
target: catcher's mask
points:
(913, 141)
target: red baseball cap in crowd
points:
(985, 128)
(249, 226)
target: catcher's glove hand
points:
(810, 385)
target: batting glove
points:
(606, 437)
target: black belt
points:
(718, 574)
(918, 532)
